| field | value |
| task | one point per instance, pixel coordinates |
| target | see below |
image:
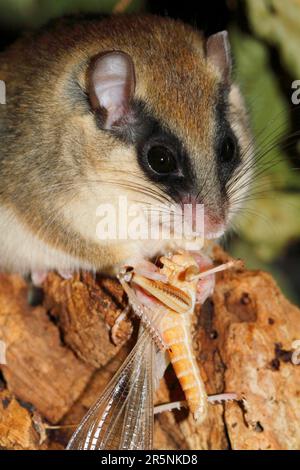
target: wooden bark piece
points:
(86, 310)
(39, 370)
(259, 327)
(242, 339)
(95, 389)
(17, 431)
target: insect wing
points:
(138, 422)
(123, 417)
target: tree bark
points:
(60, 355)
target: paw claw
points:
(38, 277)
(205, 289)
(65, 274)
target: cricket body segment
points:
(174, 325)
(134, 106)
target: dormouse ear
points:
(218, 52)
(111, 86)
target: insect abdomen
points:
(176, 337)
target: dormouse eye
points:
(161, 159)
(228, 149)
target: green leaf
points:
(278, 22)
(272, 218)
(33, 13)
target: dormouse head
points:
(136, 106)
(174, 123)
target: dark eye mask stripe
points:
(224, 131)
(143, 130)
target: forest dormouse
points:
(138, 106)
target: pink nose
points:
(202, 220)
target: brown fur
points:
(51, 148)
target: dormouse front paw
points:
(205, 287)
(38, 277)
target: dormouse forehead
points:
(181, 90)
(173, 77)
